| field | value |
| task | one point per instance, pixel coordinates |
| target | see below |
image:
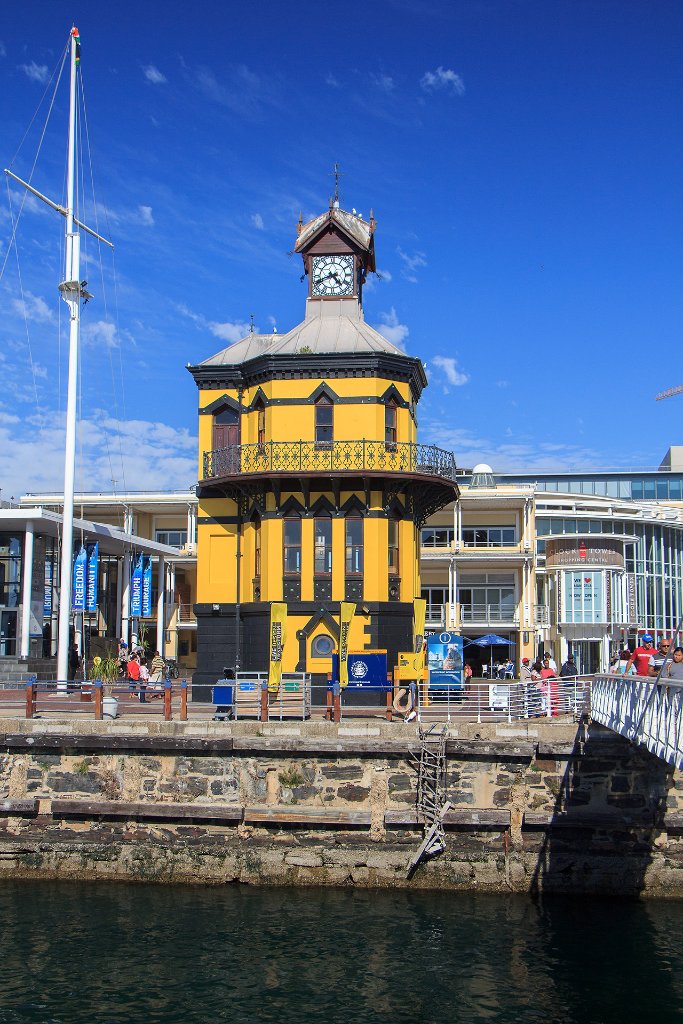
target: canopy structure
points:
(489, 640)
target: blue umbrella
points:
(488, 640)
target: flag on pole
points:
(77, 39)
(278, 635)
(136, 589)
(78, 596)
(91, 578)
(346, 614)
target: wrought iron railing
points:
(335, 456)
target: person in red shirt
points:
(133, 673)
(640, 658)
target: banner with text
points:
(80, 568)
(346, 614)
(91, 577)
(147, 588)
(419, 615)
(136, 589)
(278, 636)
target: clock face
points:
(332, 275)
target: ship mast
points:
(73, 292)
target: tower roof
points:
(359, 232)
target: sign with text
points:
(444, 660)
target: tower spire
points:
(336, 174)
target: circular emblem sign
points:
(359, 670)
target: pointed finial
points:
(251, 326)
(300, 223)
(373, 223)
(336, 174)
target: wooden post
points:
(98, 699)
(167, 700)
(337, 702)
(264, 702)
(390, 703)
(328, 699)
(30, 699)
(183, 701)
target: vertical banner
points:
(78, 595)
(346, 614)
(278, 635)
(136, 589)
(147, 588)
(419, 615)
(91, 578)
(47, 600)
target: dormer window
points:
(324, 412)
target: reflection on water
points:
(124, 954)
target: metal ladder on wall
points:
(431, 793)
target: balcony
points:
(541, 615)
(487, 614)
(352, 457)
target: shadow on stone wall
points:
(607, 821)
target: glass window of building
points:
(10, 570)
(390, 423)
(322, 533)
(354, 546)
(257, 547)
(174, 538)
(260, 423)
(436, 537)
(436, 598)
(292, 547)
(324, 412)
(393, 528)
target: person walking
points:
(674, 670)
(641, 656)
(74, 662)
(133, 671)
(622, 664)
(549, 680)
(144, 679)
(657, 659)
(157, 668)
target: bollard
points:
(390, 701)
(98, 699)
(336, 692)
(30, 699)
(264, 702)
(183, 701)
(167, 700)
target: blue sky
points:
(523, 159)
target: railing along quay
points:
(646, 711)
(336, 456)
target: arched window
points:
(225, 427)
(324, 413)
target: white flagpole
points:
(71, 293)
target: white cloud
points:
(153, 75)
(394, 331)
(229, 331)
(145, 214)
(33, 308)
(33, 460)
(411, 264)
(331, 80)
(443, 78)
(257, 221)
(102, 333)
(384, 83)
(450, 371)
(36, 72)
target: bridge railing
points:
(644, 710)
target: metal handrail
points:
(338, 456)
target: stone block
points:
(73, 782)
(355, 794)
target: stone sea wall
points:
(542, 807)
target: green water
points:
(119, 953)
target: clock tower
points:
(338, 252)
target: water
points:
(114, 953)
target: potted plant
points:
(106, 671)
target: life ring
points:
(403, 701)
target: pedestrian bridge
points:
(645, 711)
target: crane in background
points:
(669, 392)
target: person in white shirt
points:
(551, 662)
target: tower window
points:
(393, 545)
(257, 547)
(354, 546)
(260, 424)
(323, 546)
(292, 547)
(390, 423)
(324, 411)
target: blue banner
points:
(444, 660)
(147, 588)
(136, 589)
(78, 594)
(47, 600)
(91, 578)
(366, 671)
